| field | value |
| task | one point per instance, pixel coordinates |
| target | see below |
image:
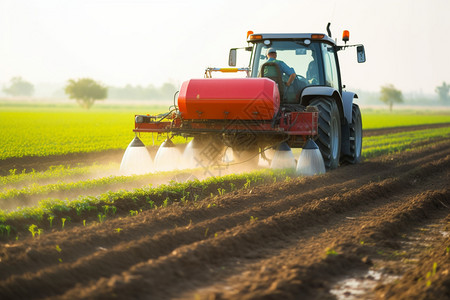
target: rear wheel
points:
(355, 136)
(329, 140)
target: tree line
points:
(86, 91)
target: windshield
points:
(294, 54)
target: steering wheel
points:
(300, 77)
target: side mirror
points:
(232, 58)
(361, 54)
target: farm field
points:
(378, 229)
(66, 129)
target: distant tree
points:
(390, 95)
(442, 91)
(85, 91)
(19, 87)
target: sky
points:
(119, 42)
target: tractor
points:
(239, 120)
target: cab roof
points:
(256, 37)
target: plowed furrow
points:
(85, 241)
(294, 274)
(155, 247)
(238, 241)
(126, 254)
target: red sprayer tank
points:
(229, 98)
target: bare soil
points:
(297, 239)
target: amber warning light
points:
(255, 37)
(345, 36)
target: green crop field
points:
(43, 130)
(384, 119)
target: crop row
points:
(59, 173)
(51, 213)
(11, 198)
(379, 145)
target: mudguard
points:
(347, 101)
(311, 92)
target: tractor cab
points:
(311, 56)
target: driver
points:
(312, 75)
(285, 69)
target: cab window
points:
(329, 61)
(294, 53)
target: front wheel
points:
(329, 140)
(355, 136)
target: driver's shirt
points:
(283, 67)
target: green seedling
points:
(133, 212)
(40, 230)
(253, 219)
(105, 209)
(151, 202)
(330, 251)
(196, 198)
(221, 191)
(247, 184)
(63, 221)
(101, 218)
(50, 219)
(166, 202)
(84, 223)
(79, 210)
(206, 231)
(32, 229)
(7, 228)
(58, 249)
(118, 230)
(232, 186)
